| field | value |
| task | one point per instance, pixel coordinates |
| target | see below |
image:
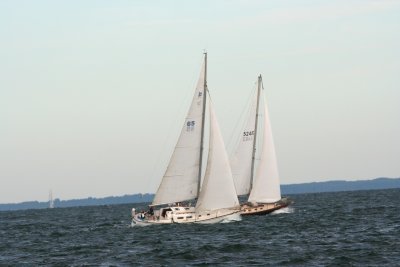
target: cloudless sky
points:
(93, 93)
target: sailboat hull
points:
(219, 216)
(189, 216)
(264, 208)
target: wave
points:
(232, 218)
(284, 210)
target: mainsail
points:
(218, 189)
(180, 181)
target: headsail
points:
(180, 180)
(241, 159)
(218, 189)
(266, 186)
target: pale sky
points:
(93, 93)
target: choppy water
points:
(346, 228)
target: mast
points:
(202, 123)
(253, 157)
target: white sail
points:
(266, 185)
(218, 189)
(180, 180)
(241, 159)
(51, 200)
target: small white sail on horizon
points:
(51, 200)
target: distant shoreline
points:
(314, 187)
(338, 185)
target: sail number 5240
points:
(249, 133)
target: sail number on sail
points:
(190, 126)
(248, 135)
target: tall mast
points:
(202, 123)
(253, 157)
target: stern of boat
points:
(264, 208)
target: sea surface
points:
(359, 228)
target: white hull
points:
(233, 217)
(189, 216)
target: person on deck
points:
(151, 211)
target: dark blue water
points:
(359, 228)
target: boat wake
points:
(139, 224)
(284, 210)
(232, 218)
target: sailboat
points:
(182, 182)
(261, 182)
(51, 200)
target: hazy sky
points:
(93, 93)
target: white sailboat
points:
(261, 182)
(216, 195)
(51, 200)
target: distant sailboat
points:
(51, 200)
(216, 195)
(261, 183)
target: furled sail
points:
(266, 185)
(180, 180)
(241, 159)
(218, 189)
